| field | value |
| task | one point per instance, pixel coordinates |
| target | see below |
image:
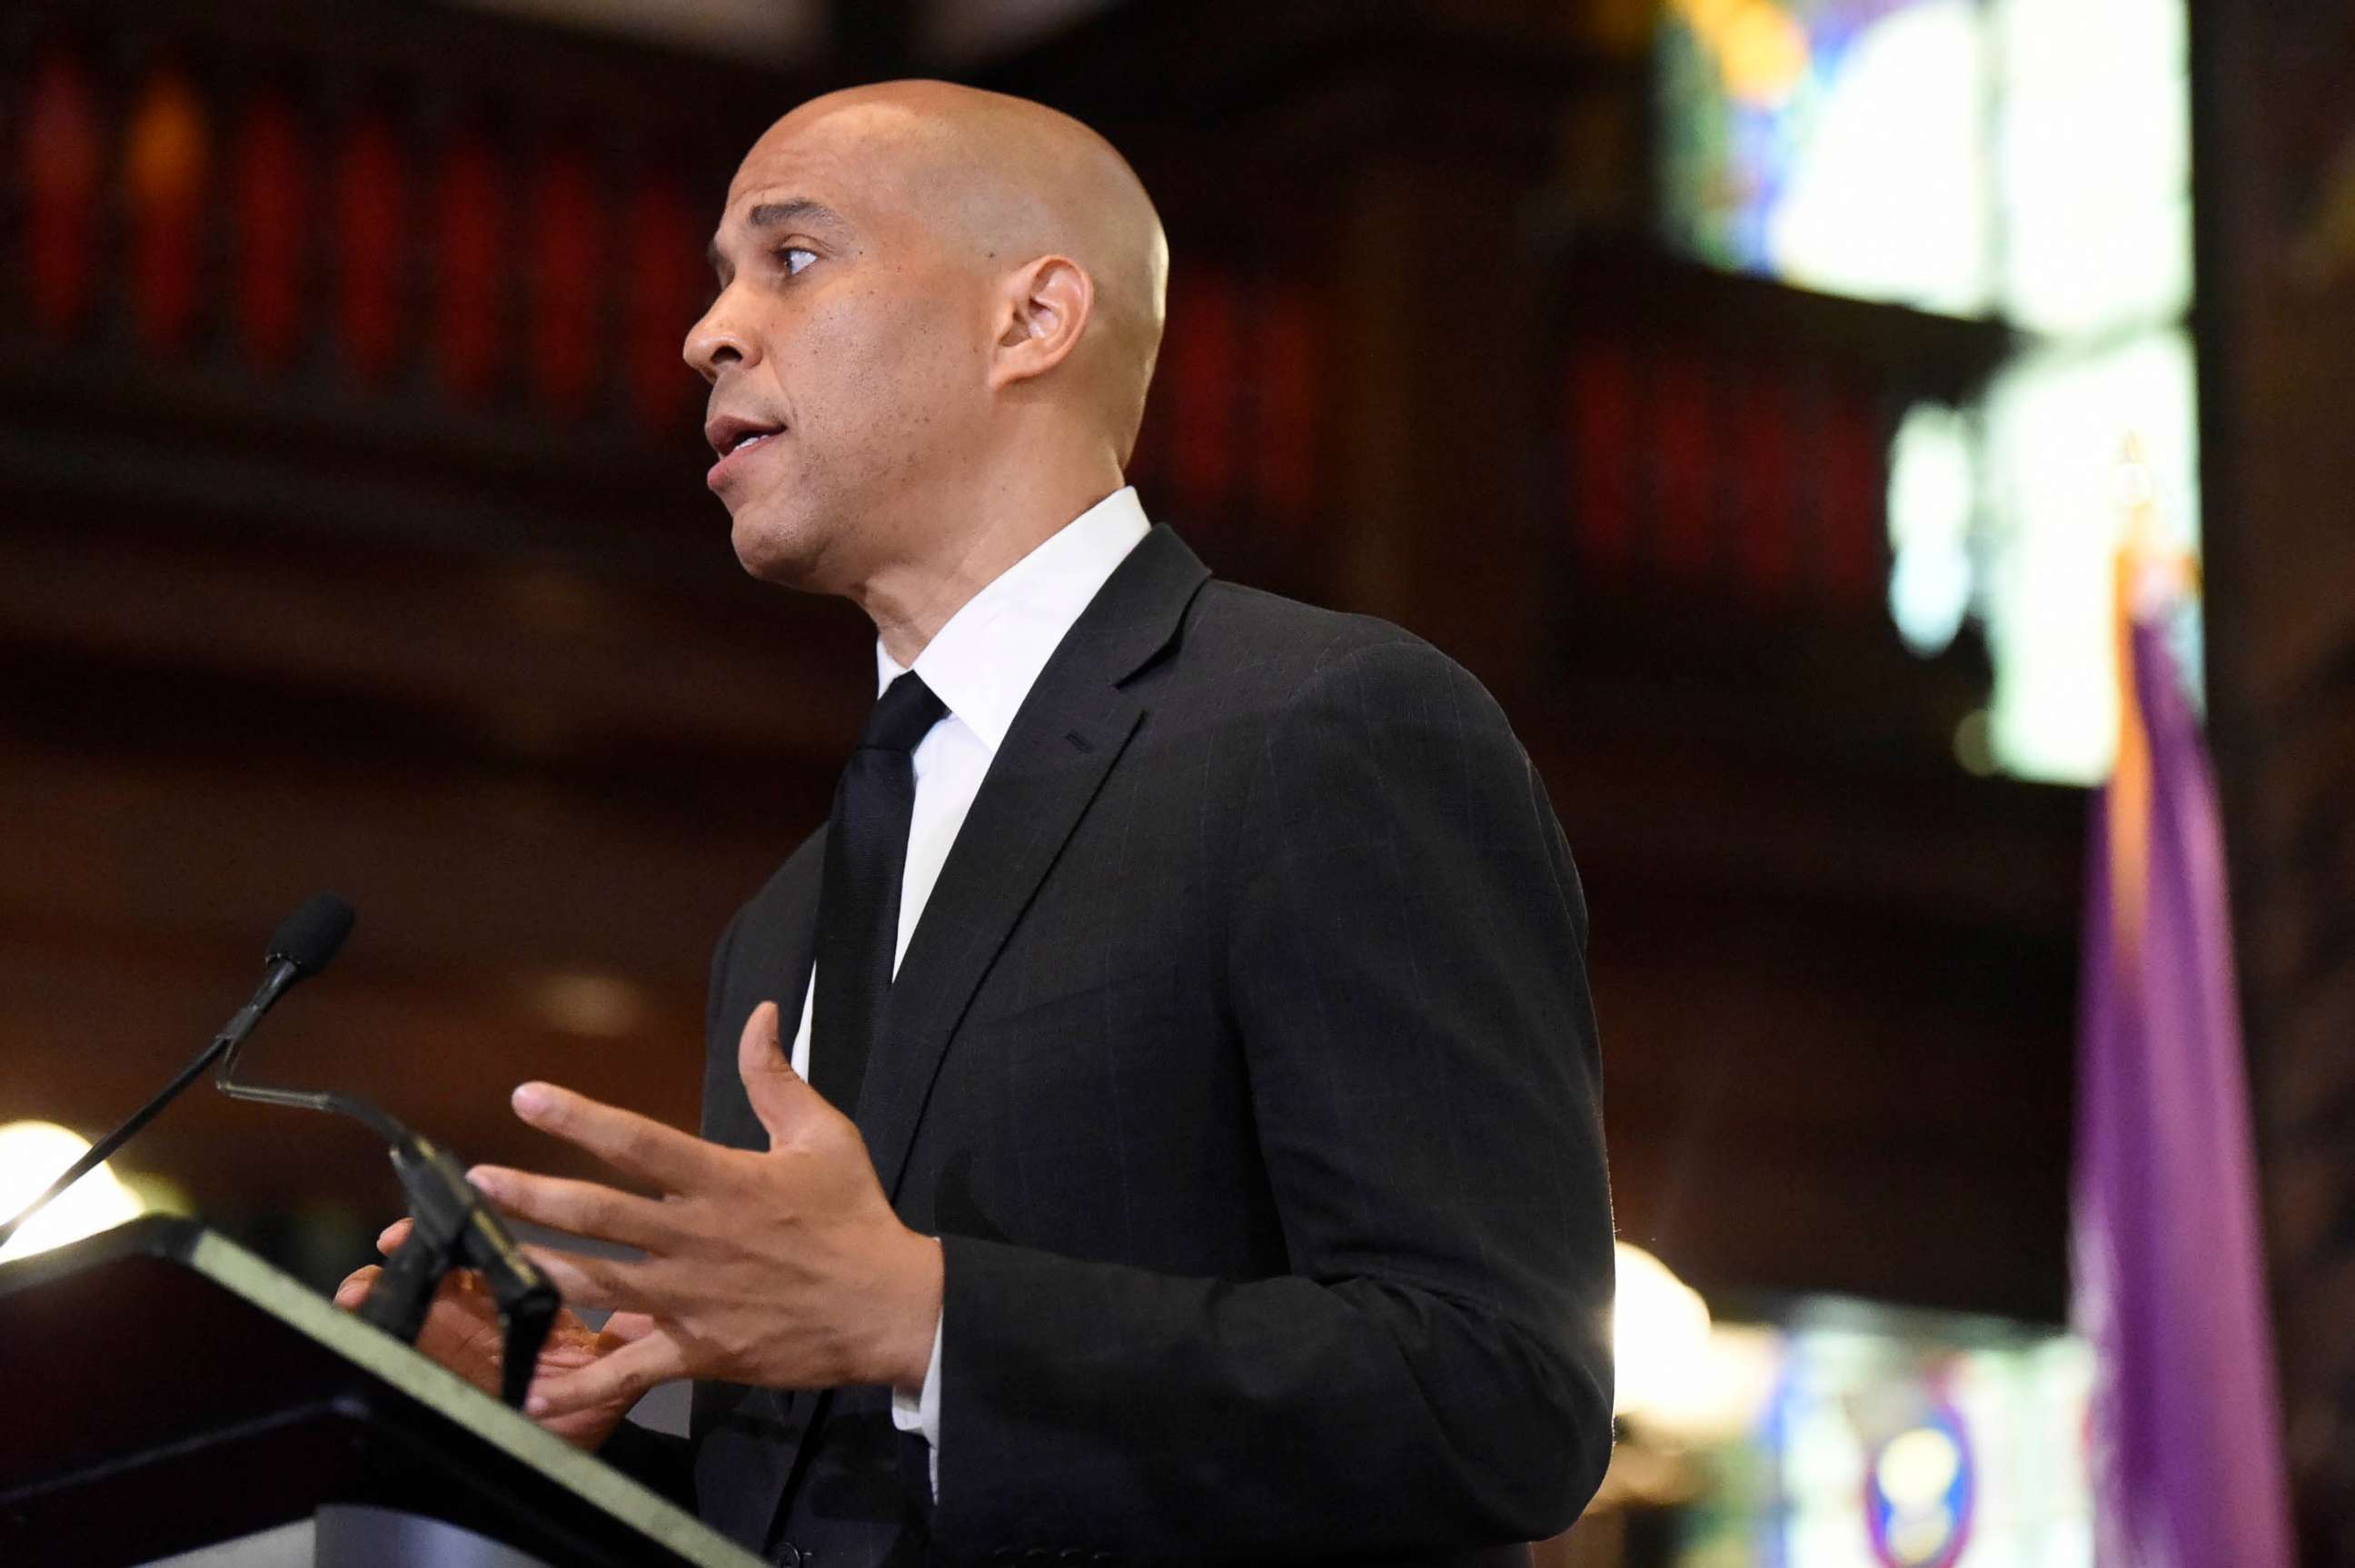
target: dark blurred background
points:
(1742, 388)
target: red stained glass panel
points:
(466, 325)
(166, 157)
(1854, 497)
(63, 162)
(567, 267)
(1765, 509)
(1684, 465)
(272, 175)
(370, 208)
(1284, 457)
(1202, 364)
(668, 290)
(1601, 446)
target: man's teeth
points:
(753, 439)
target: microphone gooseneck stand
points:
(301, 946)
(450, 1227)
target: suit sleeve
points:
(1405, 962)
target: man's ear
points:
(1041, 314)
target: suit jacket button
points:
(789, 1556)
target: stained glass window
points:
(2025, 160)
(1885, 1438)
(1838, 144)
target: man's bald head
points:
(1007, 181)
(938, 314)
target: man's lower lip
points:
(725, 469)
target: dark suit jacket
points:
(1242, 1060)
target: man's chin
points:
(783, 554)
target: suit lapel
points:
(1032, 798)
(1065, 737)
(779, 972)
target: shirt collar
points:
(982, 663)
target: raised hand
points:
(785, 1269)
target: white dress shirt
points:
(981, 666)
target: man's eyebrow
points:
(800, 209)
(777, 215)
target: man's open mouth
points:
(728, 434)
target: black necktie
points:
(859, 903)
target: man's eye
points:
(796, 257)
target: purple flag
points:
(2185, 1434)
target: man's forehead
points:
(851, 151)
(771, 175)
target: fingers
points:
(456, 1286)
(581, 1207)
(778, 1095)
(611, 1381)
(570, 1337)
(627, 1328)
(356, 1286)
(584, 1281)
(388, 1240)
(462, 1331)
(637, 1146)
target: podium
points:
(162, 1390)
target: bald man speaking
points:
(1158, 1116)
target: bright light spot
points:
(2056, 423)
(1917, 1466)
(1930, 481)
(1678, 1375)
(1764, 54)
(1659, 1334)
(1916, 1471)
(1922, 1536)
(157, 1194)
(2136, 488)
(33, 1155)
(2094, 158)
(598, 1006)
(1929, 589)
(1884, 200)
(1930, 498)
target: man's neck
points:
(911, 601)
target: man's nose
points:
(718, 340)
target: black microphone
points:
(450, 1224)
(301, 947)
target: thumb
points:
(779, 1096)
(628, 1327)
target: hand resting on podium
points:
(461, 1333)
(783, 1267)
